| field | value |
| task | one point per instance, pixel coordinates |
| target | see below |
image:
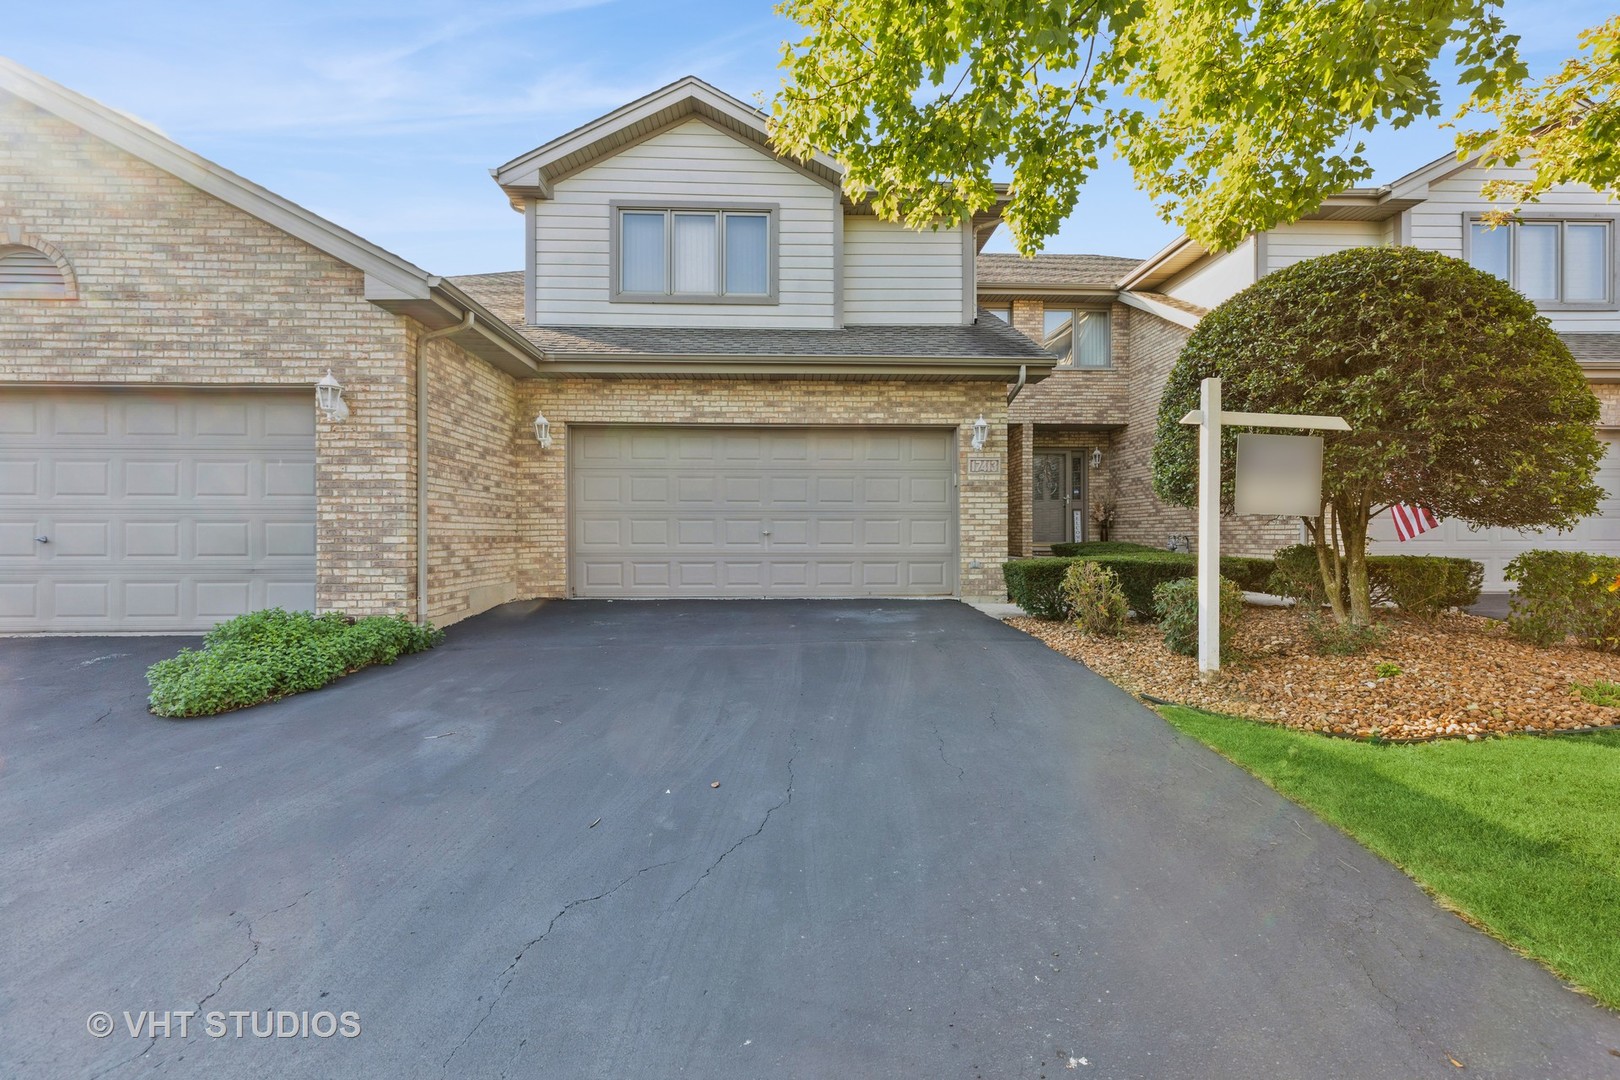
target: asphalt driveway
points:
(938, 849)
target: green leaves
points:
(1234, 117)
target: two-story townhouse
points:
(717, 376)
(1564, 255)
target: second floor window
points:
(694, 255)
(1551, 262)
(1080, 338)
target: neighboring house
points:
(749, 384)
(1564, 255)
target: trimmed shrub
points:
(1087, 548)
(1038, 582)
(1566, 594)
(1425, 585)
(1094, 596)
(1036, 585)
(1422, 585)
(266, 655)
(1177, 605)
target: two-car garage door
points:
(143, 510)
(762, 512)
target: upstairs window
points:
(29, 274)
(1079, 338)
(694, 255)
(1550, 262)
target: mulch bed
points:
(1461, 676)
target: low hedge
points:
(266, 655)
(1423, 585)
(1565, 594)
(1036, 585)
(1086, 548)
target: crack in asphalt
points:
(787, 798)
(961, 774)
(507, 971)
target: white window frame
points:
(769, 211)
(1068, 362)
(1611, 259)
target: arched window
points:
(27, 273)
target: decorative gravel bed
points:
(1461, 675)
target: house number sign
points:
(984, 466)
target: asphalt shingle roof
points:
(1593, 348)
(1100, 271)
(988, 338)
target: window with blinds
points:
(696, 254)
(1079, 338)
(1550, 262)
(29, 274)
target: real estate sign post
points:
(1210, 418)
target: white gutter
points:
(422, 458)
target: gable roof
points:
(1099, 272)
(530, 175)
(390, 281)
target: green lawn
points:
(1521, 834)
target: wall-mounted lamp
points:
(542, 431)
(981, 432)
(329, 398)
(1096, 458)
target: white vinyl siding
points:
(1451, 204)
(899, 276)
(691, 163)
(1289, 244)
(1215, 279)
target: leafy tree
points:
(1565, 128)
(1460, 398)
(1233, 115)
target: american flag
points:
(1412, 520)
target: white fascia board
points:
(1163, 311)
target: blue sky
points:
(386, 115)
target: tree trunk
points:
(1328, 563)
(1353, 517)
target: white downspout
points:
(422, 457)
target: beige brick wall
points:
(1608, 395)
(982, 500)
(1020, 465)
(475, 505)
(1141, 516)
(178, 288)
(1072, 395)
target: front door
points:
(1050, 498)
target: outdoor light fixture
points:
(542, 431)
(329, 398)
(1096, 457)
(981, 432)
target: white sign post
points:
(1210, 418)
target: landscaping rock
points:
(1462, 676)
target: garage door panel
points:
(1495, 548)
(762, 512)
(165, 510)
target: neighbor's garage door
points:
(775, 512)
(1494, 548)
(153, 510)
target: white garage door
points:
(776, 512)
(1494, 548)
(153, 510)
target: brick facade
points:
(542, 480)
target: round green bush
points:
(1096, 599)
